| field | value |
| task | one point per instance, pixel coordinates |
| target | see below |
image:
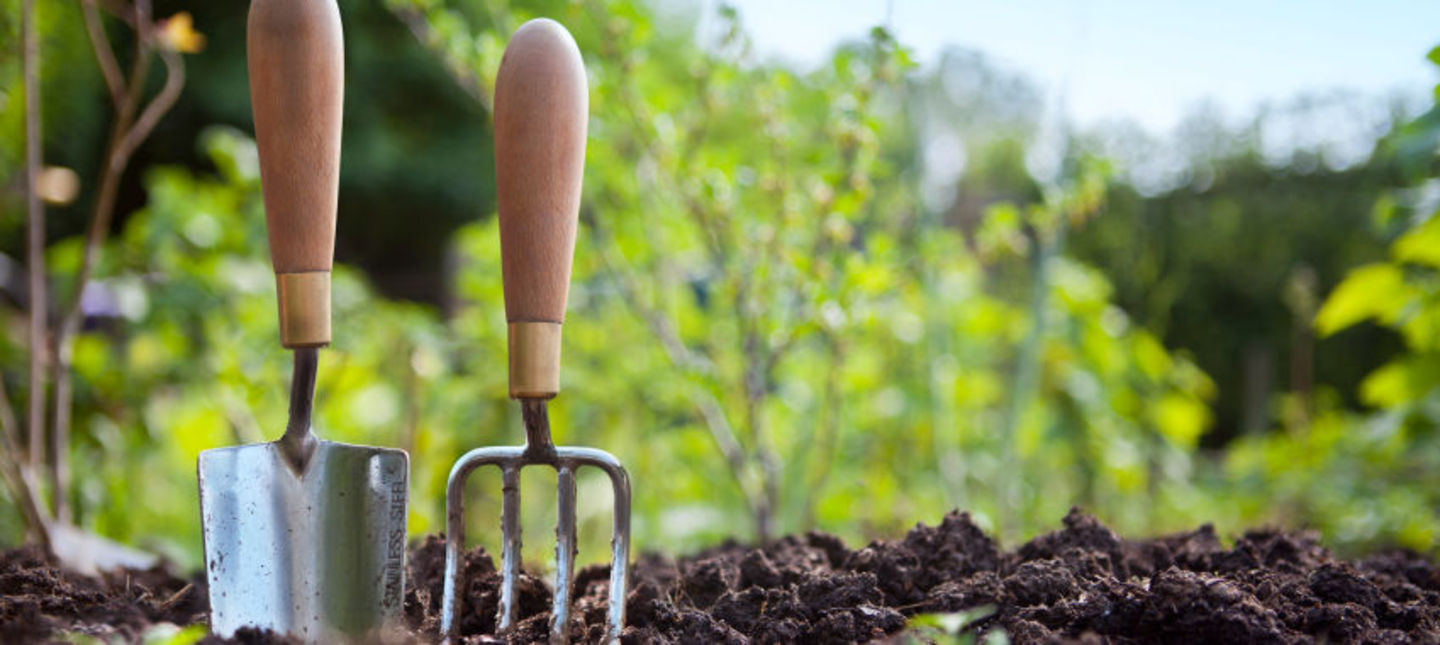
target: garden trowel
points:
(303, 537)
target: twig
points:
(35, 239)
(125, 137)
(15, 473)
(109, 68)
(176, 597)
(9, 425)
(158, 106)
(118, 9)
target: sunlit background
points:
(842, 266)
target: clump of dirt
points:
(37, 598)
(1080, 583)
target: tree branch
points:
(109, 68)
(125, 137)
(35, 239)
(158, 106)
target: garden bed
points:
(1081, 582)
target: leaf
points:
(171, 634)
(1400, 382)
(1386, 386)
(1371, 291)
(1420, 245)
(1181, 418)
(1150, 356)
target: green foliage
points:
(802, 344)
(950, 629)
(186, 358)
(1214, 264)
(1368, 479)
(160, 634)
(766, 325)
(768, 322)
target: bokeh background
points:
(1173, 265)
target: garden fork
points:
(540, 119)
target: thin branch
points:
(14, 473)
(125, 137)
(142, 26)
(104, 209)
(158, 106)
(35, 239)
(104, 55)
(9, 425)
(119, 9)
(723, 435)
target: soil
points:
(37, 599)
(1082, 583)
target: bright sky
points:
(1148, 60)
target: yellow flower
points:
(178, 33)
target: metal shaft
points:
(298, 442)
(539, 446)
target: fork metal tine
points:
(510, 544)
(455, 526)
(566, 461)
(564, 554)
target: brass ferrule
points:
(304, 308)
(534, 360)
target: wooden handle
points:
(297, 84)
(541, 105)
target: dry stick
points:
(126, 135)
(100, 43)
(35, 238)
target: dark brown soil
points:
(1081, 583)
(37, 598)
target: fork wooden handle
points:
(541, 107)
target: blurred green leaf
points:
(1372, 291)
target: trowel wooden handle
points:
(297, 84)
(541, 104)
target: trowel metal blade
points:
(318, 555)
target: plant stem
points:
(16, 474)
(35, 239)
(126, 135)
